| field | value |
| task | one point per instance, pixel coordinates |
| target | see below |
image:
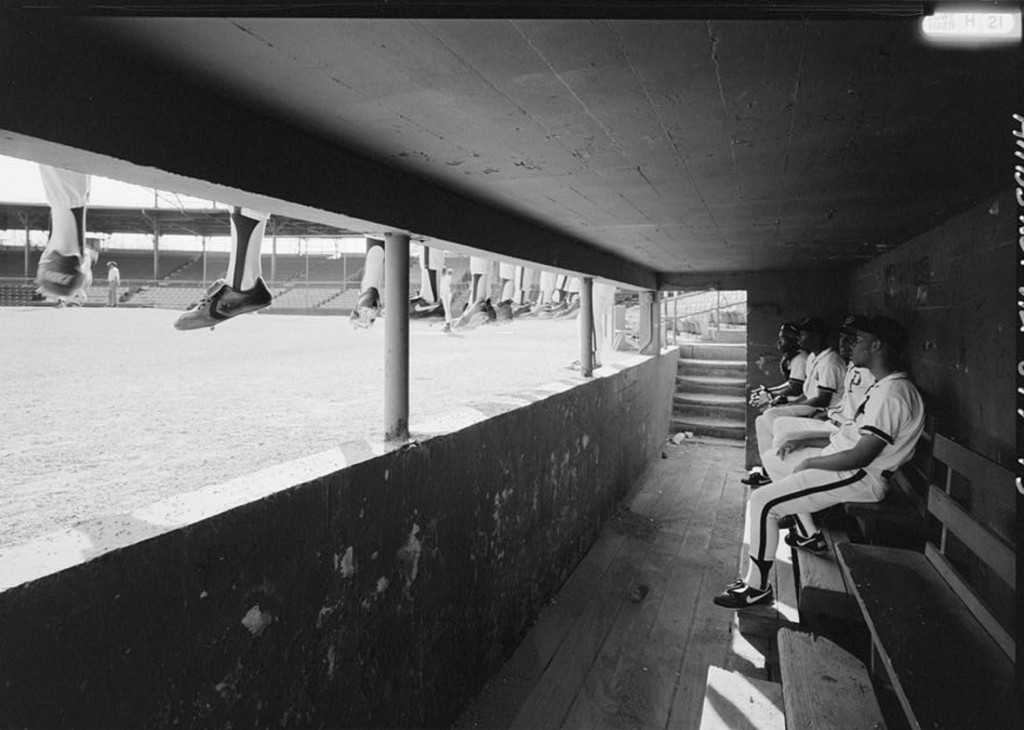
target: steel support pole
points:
(156, 252)
(396, 336)
(273, 251)
(24, 222)
(587, 327)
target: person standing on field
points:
(113, 281)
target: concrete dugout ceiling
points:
(650, 151)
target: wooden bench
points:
(825, 687)
(947, 654)
(899, 519)
(826, 601)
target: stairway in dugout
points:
(711, 382)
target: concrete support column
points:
(656, 322)
(650, 323)
(586, 327)
(396, 336)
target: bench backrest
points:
(991, 484)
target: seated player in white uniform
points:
(793, 367)
(822, 389)
(822, 425)
(854, 467)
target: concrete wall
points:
(782, 297)
(953, 288)
(381, 595)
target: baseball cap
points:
(789, 328)
(813, 324)
(886, 329)
(111, 263)
(854, 323)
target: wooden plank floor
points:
(597, 658)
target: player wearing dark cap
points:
(821, 390)
(854, 467)
(793, 367)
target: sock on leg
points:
(758, 572)
(244, 267)
(373, 269)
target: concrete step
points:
(727, 334)
(727, 407)
(713, 368)
(713, 351)
(708, 384)
(715, 427)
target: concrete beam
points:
(73, 102)
(735, 280)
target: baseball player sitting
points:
(824, 424)
(854, 467)
(793, 366)
(822, 389)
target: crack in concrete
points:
(721, 95)
(253, 34)
(792, 102)
(586, 109)
(668, 134)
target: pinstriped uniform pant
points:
(802, 493)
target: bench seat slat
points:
(948, 672)
(824, 686)
(974, 605)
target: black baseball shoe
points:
(813, 543)
(223, 302)
(743, 596)
(756, 479)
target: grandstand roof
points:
(170, 221)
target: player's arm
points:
(863, 453)
(792, 445)
(792, 386)
(821, 399)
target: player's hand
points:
(801, 466)
(787, 448)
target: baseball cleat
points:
(503, 311)
(221, 302)
(743, 596)
(756, 479)
(58, 275)
(476, 314)
(420, 309)
(367, 309)
(813, 544)
(570, 309)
